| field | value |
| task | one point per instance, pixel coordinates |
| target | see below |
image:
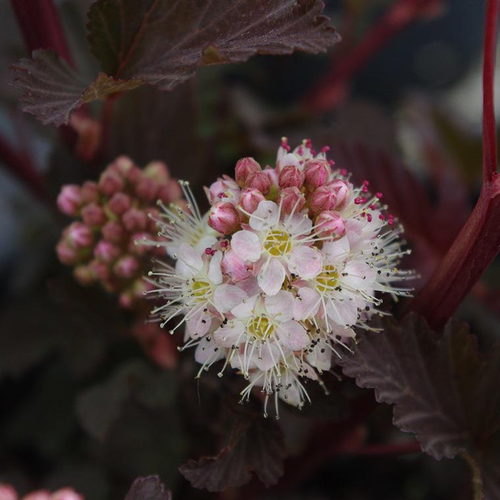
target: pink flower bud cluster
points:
(8, 492)
(114, 213)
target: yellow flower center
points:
(261, 327)
(201, 290)
(327, 279)
(277, 243)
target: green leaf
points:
(442, 389)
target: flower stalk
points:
(479, 240)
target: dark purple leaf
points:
(163, 42)
(51, 90)
(148, 488)
(256, 445)
(442, 389)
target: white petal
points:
(189, 263)
(321, 356)
(246, 245)
(245, 309)
(299, 224)
(271, 277)
(208, 350)
(226, 297)
(293, 335)
(306, 304)
(227, 335)
(205, 242)
(199, 324)
(280, 306)
(354, 231)
(305, 261)
(336, 251)
(268, 357)
(265, 216)
(214, 269)
(343, 312)
(358, 275)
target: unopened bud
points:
(79, 235)
(224, 189)
(90, 192)
(317, 173)
(84, 275)
(245, 167)
(329, 224)
(7, 492)
(93, 215)
(291, 200)
(147, 189)
(106, 251)
(119, 203)
(67, 254)
(224, 218)
(250, 199)
(342, 190)
(110, 182)
(113, 231)
(69, 199)
(66, 494)
(134, 220)
(170, 192)
(126, 267)
(260, 181)
(291, 176)
(324, 198)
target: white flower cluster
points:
(277, 275)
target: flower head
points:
(297, 260)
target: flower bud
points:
(170, 192)
(90, 192)
(135, 246)
(224, 189)
(158, 171)
(126, 267)
(110, 182)
(223, 217)
(250, 199)
(273, 175)
(106, 251)
(342, 190)
(69, 199)
(100, 270)
(324, 198)
(93, 215)
(317, 173)
(66, 494)
(67, 255)
(233, 266)
(38, 495)
(119, 203)
(291, 200)
(245, 167)
(260, 181)
(7, 492)
(329, 224)
(134, 220)
(291, 176)
(122, 165)
(79, 235)
(113, 231)
(84, 275)
(146, 189)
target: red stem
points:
(327, 93)
(489, 126)
(21, 166)
(41, 27)
(479, 240)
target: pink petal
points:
(343, 312)
(358, 275)
(305, 261)
(306, 303)
(246, 245)
(227, 335)
(226, 297)
(299, 224)
(214, 269)
(199, 324)
(280, 306)
(336, 251)
(268, 357)
(293, 335)
(208, 350)
(189, 263)
(234, 266)
(271, 277)
(245, 309)
(265, 216)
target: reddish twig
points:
(41, 27)
(330, 90)
(21, 166)
(479, 240)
